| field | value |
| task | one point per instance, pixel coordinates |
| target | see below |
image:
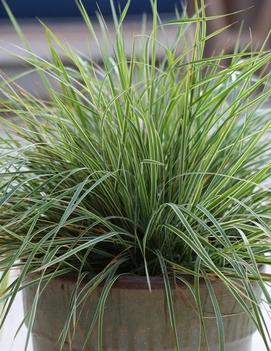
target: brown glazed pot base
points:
(41, 343)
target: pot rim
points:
(131, 281)
(135, 282)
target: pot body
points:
(137, 320)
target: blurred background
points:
(250, 18)
(68, 8)
(63, 17)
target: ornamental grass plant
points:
(140, 165)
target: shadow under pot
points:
(137, 320)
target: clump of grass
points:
(142, 165)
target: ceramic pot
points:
(137, 320)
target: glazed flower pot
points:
(137, 320)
